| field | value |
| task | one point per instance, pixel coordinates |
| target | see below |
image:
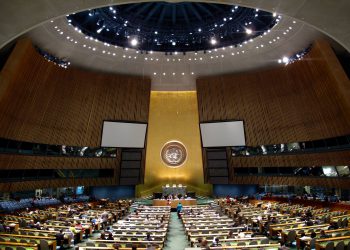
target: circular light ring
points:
(173, 154)
(158, 27)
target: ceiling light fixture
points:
(134, 42)
(213, 41)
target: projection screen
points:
(123, 134)
(222, 134)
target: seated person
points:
(147, 218)
(116, 246)
(60, 239)
(205, 245)
(192, 226)
(302, 242)
(93, 222)
(103, 236)
(230, 235)
(31, 224)
(323, 234)
(309, 222)
(313, 240)
(199, 242)
(110, 236)
(2, 227)
(241, 235)
(333, 225)
(70, 236)
(216, 242)
(148, 237)
(72, 229)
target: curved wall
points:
(41, 102)
(307, 100)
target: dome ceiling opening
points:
(173, 27)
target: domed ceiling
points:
(170, 27)
(174, 43)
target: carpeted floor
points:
(176, 237)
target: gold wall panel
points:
(173, 116)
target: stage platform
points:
(174, 203)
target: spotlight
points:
(213, 41)
(285, 60)
(248, 31)
(134, 42)
(100, 29)
(173, 43)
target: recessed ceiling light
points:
(134, 42)
(248, 31)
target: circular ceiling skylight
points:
(170, 27)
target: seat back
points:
(340, 245)
(291, 236)
(44, 245)
(329, 246)
(345, 222)
(265, 241)
(253, 242)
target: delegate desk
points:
(174, 203)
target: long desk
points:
(174, 203)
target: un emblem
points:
(173, 154)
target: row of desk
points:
(174, 203)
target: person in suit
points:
(323, 234)
(60, 239)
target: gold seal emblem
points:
(173, 154)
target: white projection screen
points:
(123, 134)
(222, 134)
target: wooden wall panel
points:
(306, 100)
(32, 185)
(292, 181)
(40, 102)
(337, 158)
